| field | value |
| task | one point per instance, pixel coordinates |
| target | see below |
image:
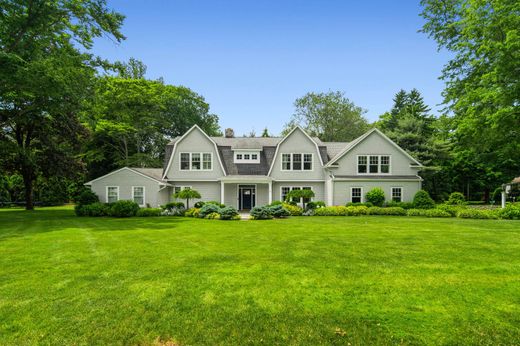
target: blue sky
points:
(252, 59)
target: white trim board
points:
(130, 169)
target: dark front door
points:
(246, 197)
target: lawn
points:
(305, 281)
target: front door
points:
(246, 197)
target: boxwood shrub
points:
(404, 205)
(422, 200)
(123, 208)
(456, 198)
(341, 211)
(376, 196)
(144, 212)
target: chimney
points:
(230, 133)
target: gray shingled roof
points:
(268, 145)
(155, 173)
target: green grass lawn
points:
(66, 280)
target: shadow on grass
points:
(20, 223)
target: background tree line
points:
(67, 116)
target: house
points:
(245, 172)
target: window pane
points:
(239, 156)
(254, 156)
(397, 194)
(139, 195)
(362, 164)
(112, 194)
(185, 161)
(286, 162)
(296, 200)
(195, 161)
(206, 161)
(297, 162)
(177, 189)
(307, 200)
(285, 191)
(385, 164)
(356, 195)
(307, 162)
(374, 163)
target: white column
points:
(503, 199)
(329, 188)
(270, 192)
(222, 192)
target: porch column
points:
(503, 199)
(270, 192)
(222, 192)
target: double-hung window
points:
(138, 195)
(112, 194)
(356, 195)
(373, 164)
(179, 188)
(196, 162)
(296, 162)
(286, 189)
(397, 194)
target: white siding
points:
(209, 190)
(342, 189)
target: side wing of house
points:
(374, 161)
(195, 163)
(127, 184)
(297, 164)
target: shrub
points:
(511, 211)
(422, 200)
(293, 209)
(315, 204)
(497, 195)
(428, 213)
(172, 205)
(404, 205)
(261, 213)
(376, 196)
(208, 208)
(456, 198)
(477, 214)
(359, 204)
(212, 216)
(300, 194)
(228, 213)
(331, 211)
(192, 212)
(143, 212)
(398, 211)
(87, 197)
(123, 208)
(199, 204)
(79, 210)
(450, 209)
(216, 203)
(279, 211)
(276, 203)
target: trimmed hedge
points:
(341, 211)
(359, 204)
(144, 212)
(428, 213)
(404, 205)
(396, 211)
(477, 214)
(376, 196)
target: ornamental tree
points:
(187, 194)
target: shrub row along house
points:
(246, 172)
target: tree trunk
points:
(28, 184)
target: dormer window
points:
(247, 157)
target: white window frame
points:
(378, 164)
(291, 188)
(291, 162)
(144, 195)
(392, 192)
(106, 193)
(239, 157)
(352, 195)
(191, 161)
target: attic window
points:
(373, 164)
(247, 157)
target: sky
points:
(251, 60)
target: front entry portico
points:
(246, 192)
